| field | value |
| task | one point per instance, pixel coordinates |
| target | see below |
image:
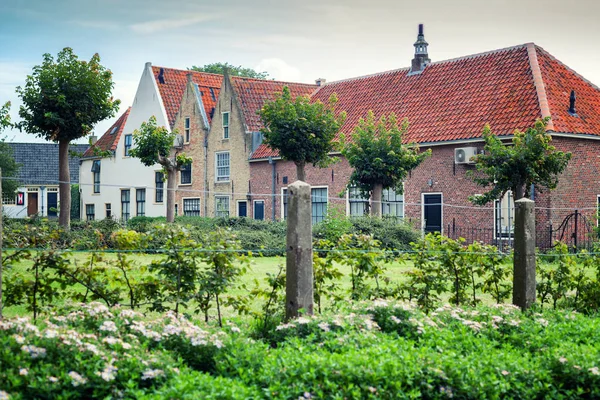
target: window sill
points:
(227, 181)
(185, 184)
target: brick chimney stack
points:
(421, 59)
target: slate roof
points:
(453, 100)
(175, 80)
(39, 162)
(253, 93)
(110, 139)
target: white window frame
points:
(225, 126)
(91, 206)
(394, 202)
(140, 203)
(423, 194)
(127, 149)
(219, 197)
(190, 165)
(192, 198)
(221, 178)
(368, 201)
(511, 216)
(7, 201)
(326, 197)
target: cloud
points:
(279, 69)
(150, 27)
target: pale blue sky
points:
(292, 40)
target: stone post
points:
(524, 259)
(299, 268)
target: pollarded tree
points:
(62, 101)
(379, 157)
(153, 144)
(302, 131)
(232, 70)
(531, 159)
(7, 160)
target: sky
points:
(291, 40)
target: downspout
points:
(205, 186)
(273, 193)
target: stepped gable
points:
(110, 139)
(172, 85)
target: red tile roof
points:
(110, 139)
(452, 100)
(175, 81)
(252, 94)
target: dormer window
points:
(187, 130)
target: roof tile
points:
(110, 139)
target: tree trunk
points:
(519, 192)
(171, 181)
(376, 200)
(64, 176)
(300, 172)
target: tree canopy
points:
(232, 70)
(302, 131)
(379, 158)
(62, 101)
(531, 159)
(7, 160)
(154, 145)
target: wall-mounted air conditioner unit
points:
(178, 143)
(464, 155)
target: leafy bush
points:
(393, 234)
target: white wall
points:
(120, 172)
(20, 211)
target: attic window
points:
(96, 166)
(212, 94)
(114, 129)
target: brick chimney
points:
(421, 59)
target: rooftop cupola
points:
(421, 59)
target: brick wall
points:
(194, 148)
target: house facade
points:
(128, 188)
(447, 104)
(38, 193)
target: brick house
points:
(447, 104)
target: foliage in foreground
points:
(370, 350)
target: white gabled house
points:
(116, 185)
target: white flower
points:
(110, 340)
(235, 329)
(4, 395)
(77, 379)
(108, 326)
(53, 379)
(152, 373)
(34, 352)
(594, 370)
(19, 339)
(126, 346)
(324, 326)
(505, 372)
(303, 320)
(562, 360)
(108, 374)
(23, 372)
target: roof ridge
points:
(270, 80)
(485, 53)
(538, 83)
(188, 70)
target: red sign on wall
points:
(20, 198)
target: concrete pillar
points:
(524, 260)
(299, 268)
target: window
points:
(259, 209)
(225, 125)
(392, 204)
(140, 202)
(191, 207)
(357, 202)
(96, 171)
(108, 210)
(125, 203)
(504, 215)
(284, 203)
(222, 206)
(318, 198)
(222, 166)
(242, 209)
(159, 184)
(187, 130)
(89, 212)
(186, 175)
(128, 139)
